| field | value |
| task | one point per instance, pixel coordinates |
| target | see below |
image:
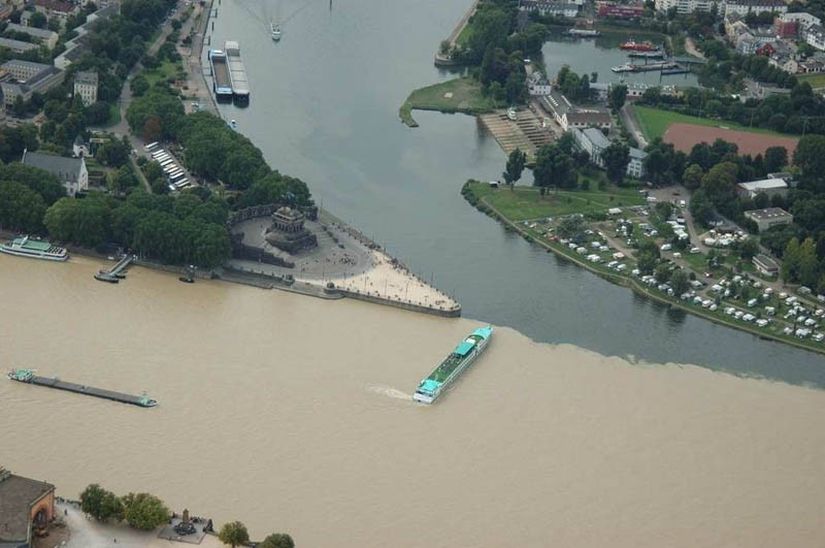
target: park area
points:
(527, 202)
(684, 131)
(458, 95)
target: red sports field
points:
(684, 136)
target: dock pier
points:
(27, 376)
(116, 273)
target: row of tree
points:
(140, 510)
(799, 112)
(187, 229)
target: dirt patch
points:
(684, 136)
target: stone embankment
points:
(444, 60)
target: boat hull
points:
(45, 257)
(429, 396)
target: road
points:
(629, 122)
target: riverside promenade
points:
(442, 60)
(345, 263)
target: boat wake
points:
(388, 391)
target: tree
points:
(21, 208)
(617, 97)
(144, 511)
(748, 248)
(808, 157)
(233, 533)
(139, 85)
(616, 157)
(277, 540)
(662, 273)
(775, 158)
(515, 165)
(790, 261)
(679, 281)
(663, 210)
(571, 226)
(85, 222)
(38, 20)
(554, 168)
(692, 176)
(100, 503)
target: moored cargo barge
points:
(221, 84)
(453, 365)
(28, 376)
(237, 71)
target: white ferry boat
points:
(276, 31)
(453, 365)
(36, 249)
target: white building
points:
(71, 172)
(685, 6)
(594, 142)
(85, 86)
(551, 7)
(744, 7)
(769, 217)
(771, 187)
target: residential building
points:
(765, 265)
(550, 7)
(80, 149)
(85, 86)
(803, 20)
(744, 7)
(76, 47)
(5, 11)
(537, 85)
(594, 142)
(686, 6)
(70, 171)
(588, 118)
(769, 217)
(25, 505)
(44, 36)
(771, 187)
(17, 46)
(56, 9)
(27, 78)
(636, 166)
(815, 36)
(746, 44)
(620, 11)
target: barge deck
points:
(27, 376)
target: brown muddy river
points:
(293, 414)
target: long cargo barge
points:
(28, 376)
(237, 71)
(453, 365)
(221, 84)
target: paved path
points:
(629, 121)
(88, 533)
(690, 47)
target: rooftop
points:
(596, 137)
(767, 213)
(17, 494)
(45, 34)
(764, 184)
(16, 45)
(601, 117)
(88, 77)
(57, 165)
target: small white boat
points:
(276, 31)
(233, 124)
(512, 114)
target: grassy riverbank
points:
(458, 95)
(524, 209)
(524, 203)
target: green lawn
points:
(816, 80)
(164, 71)
(524, 203)
(654, 122)
(458, 95)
